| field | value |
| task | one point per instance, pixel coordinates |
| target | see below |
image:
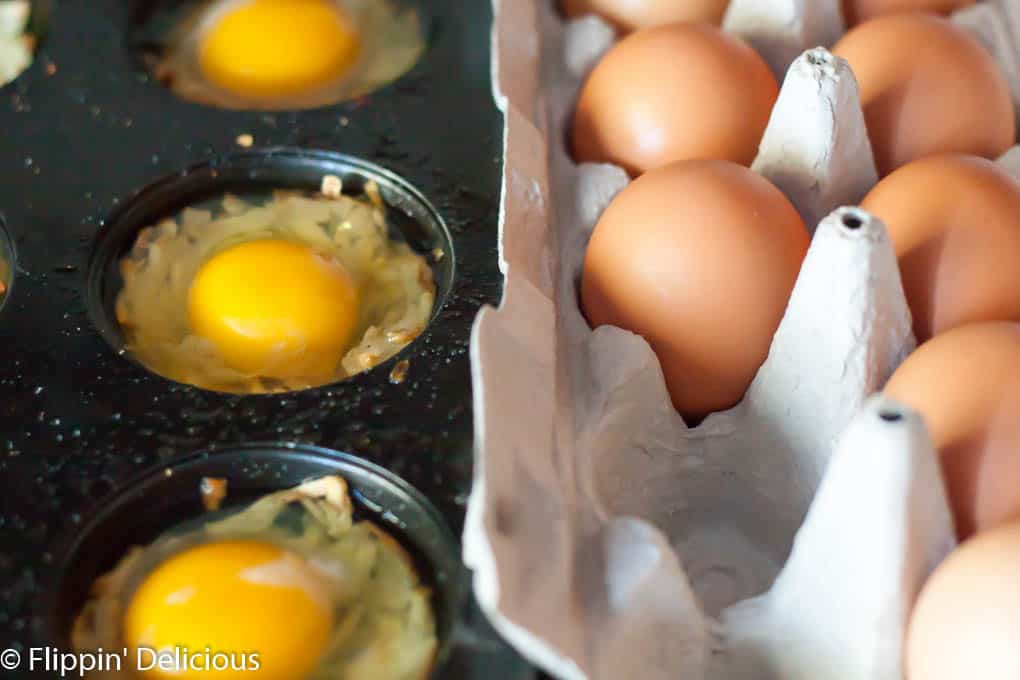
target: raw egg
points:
(698, 257)
(630, 15)
(232, 596)
(859, 11)
(298, 320)
(288, 54)
(672, 93)
(274, 48)
(966, 624)
(927, 87)
(965, 383)
(955, 224)
(272, 293)
(291, 587)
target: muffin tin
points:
(94, 149)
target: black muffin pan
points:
(92, 148)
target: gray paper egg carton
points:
(783, 539)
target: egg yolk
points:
(238, 599)
(275, 308)
(265, 49)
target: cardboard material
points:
(996, 24)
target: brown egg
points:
(927, 87)
(630, 15)
(859, 11)
(699, 258)
(674, 93)
(966, 385)
(955, 223)
(966, 624)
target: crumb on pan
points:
(332, 186)
(399, 372)
(213, 490)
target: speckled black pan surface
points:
(80, 134)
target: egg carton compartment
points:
(781, 30)
(87, 136)
(737, 548)
(410, 219)
(159, 500)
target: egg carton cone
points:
(818, 159)
(781, 30)
(783, 539)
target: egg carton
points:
(784, 539)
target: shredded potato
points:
(396, 289)
(385, 627)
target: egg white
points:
(397, 293)
(391, 36)
(385, 626)
(16, 44)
